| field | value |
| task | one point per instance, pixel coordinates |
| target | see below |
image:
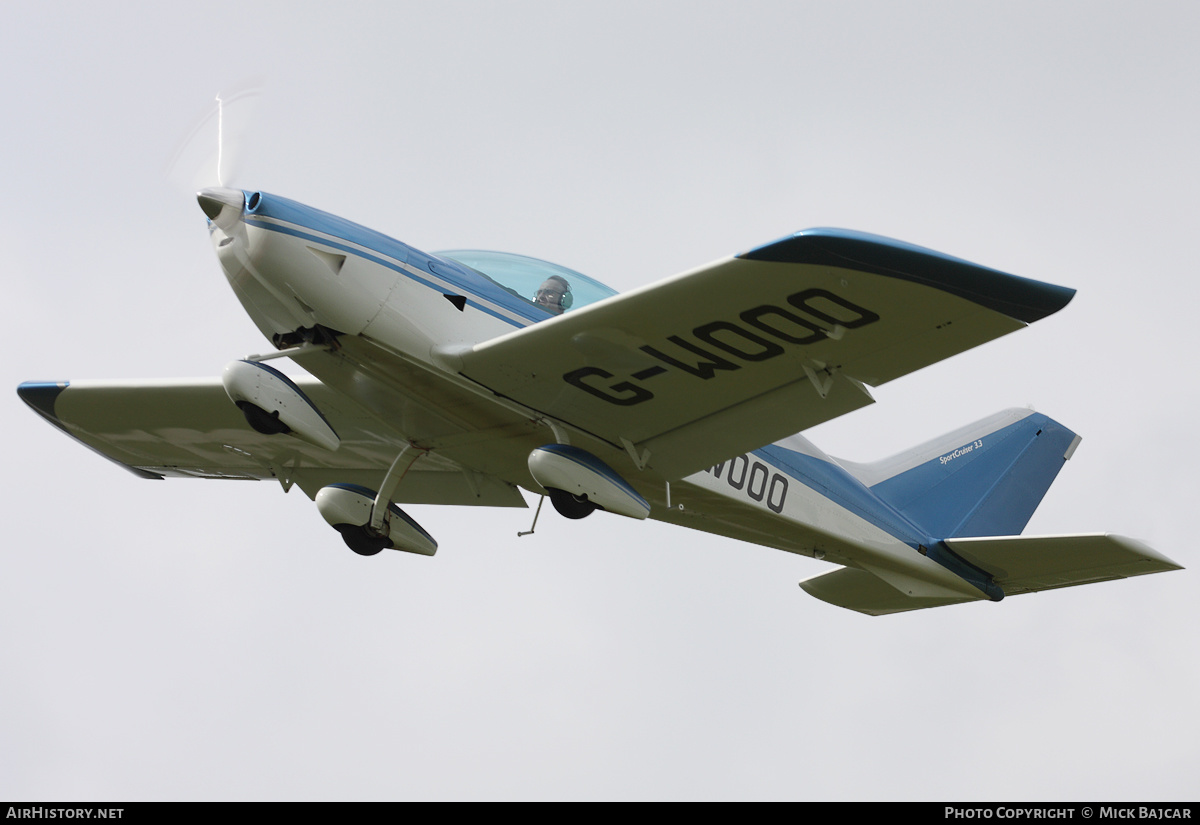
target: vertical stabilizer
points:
(985, 479)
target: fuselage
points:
(398, 315)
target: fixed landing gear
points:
(347, 508)
(579, 482)
(274, 405)
(570, 505)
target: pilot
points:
(554, 295)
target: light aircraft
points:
(461, 377)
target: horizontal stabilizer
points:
(1025, 564)
(1019, 564)
(865, 592)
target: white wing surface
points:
(1028, 564)
(750, 349)
(189, 428)
(1020, 564)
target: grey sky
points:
(189, 640)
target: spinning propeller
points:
(209, 155)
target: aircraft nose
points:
(222, 206)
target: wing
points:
(189, 428)
(750, 349)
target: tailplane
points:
(1017, 564)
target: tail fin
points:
(974, 490)
(985, 479)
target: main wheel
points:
(569, 504)
(361, 540)
(260, 420)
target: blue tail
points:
(985, 479)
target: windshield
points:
(550, 287)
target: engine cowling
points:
(578, 472)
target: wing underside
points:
(190, 429)
(1028, 564)
(751, 349)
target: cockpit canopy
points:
(523, 276)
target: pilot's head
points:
(554, 295)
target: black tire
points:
(570, 505)
(260, 420)
(361, 540)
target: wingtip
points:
(1020, 298)
(41, 396)
(1148, 553)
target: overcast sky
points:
(204, 640)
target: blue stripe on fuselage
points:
(486, 296)
(843, 489)
(287, 230)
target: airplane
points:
(464, 377)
